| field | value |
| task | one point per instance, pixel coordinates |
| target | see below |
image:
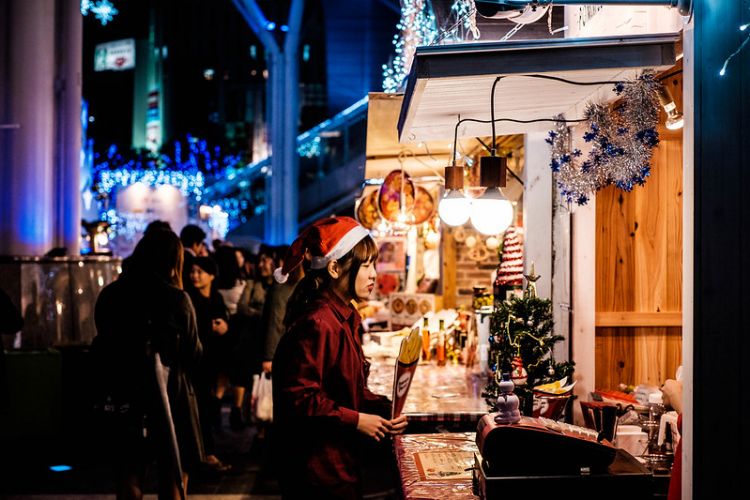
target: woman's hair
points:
(159, 253)
(229, 268)
(316, 281)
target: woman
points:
(320, 395)
(211, 317)
(145, 319)
(244, 313)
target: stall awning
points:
(383, 147)
(452, 80)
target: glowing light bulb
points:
(491, 213)
(455, 208)
(675, 122)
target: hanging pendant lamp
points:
(454, 208)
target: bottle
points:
(441, 344)
(451, 348)
(426, 339)
(462, 340)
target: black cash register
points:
(541, 458)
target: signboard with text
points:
(115, 56)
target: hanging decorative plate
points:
(367, 211)
(390, 195)
(424, 206)
(387, 283)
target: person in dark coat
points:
(142, 319)
(274, 311)
(212, 319)
(322, 406)
(193, 240)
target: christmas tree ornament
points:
(518, 374)
(507, 402)
(531, 279)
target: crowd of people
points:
(214, 334)
(183, 330)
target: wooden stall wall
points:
(639, 269)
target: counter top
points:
(433, 465)
(438, 393)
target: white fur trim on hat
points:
(279, 275)
(345, 244)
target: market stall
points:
(448, 249)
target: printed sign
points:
(115, 56)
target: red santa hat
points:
(326, 240)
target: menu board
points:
(442, 465)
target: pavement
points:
(25, 470)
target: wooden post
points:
(449, 268)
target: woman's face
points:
(364, 283)
(240, 258)
(200, 278)
(265, 266)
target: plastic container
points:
(632, 439)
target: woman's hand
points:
(672, 390)
(398, 425)
(374, 426)
(220, 326)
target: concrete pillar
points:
(27, 196)
(69, 127)
(275, 181)
(290, 213)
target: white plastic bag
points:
(262, 398)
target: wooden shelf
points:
(638, 319)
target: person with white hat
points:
(321, 402)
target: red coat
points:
(319, 388)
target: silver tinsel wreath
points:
(622, 139)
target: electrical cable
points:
(494, 120)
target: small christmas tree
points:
(521, 342)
